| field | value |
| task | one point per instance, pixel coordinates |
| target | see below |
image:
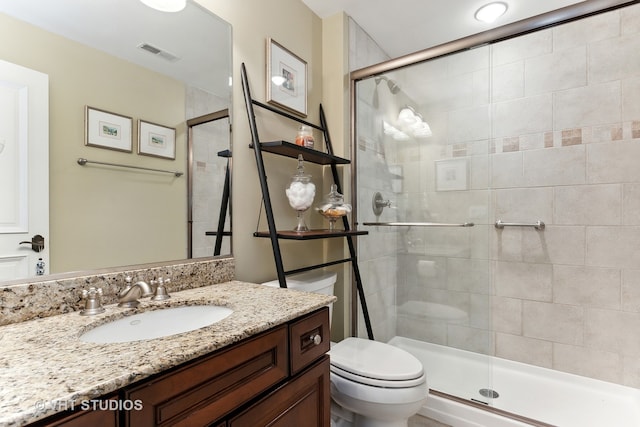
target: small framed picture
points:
(107, 130)
(156, 140)
(286, 79)
(452, 175)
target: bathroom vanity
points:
(267, 361)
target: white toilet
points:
(316, 281)
(380, 384)
(373, 384)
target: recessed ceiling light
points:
(166, 5)
(490, 12)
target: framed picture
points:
(156, 140)
(286, 79)
(107, 130)
(452, 175)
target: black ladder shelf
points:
(327, 158)
(224, 208)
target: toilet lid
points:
(375, 360)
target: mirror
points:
(209, 205)
(122, 57)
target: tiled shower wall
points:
(549, 127)
(378, 252)
(566, 127)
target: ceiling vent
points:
(158, 52)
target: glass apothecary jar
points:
(301, 192)
(333, 207)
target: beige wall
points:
(137, 211)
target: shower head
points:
(393, 86)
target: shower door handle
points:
(418, 224)
(538, 225)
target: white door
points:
(24, 169)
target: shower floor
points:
(546, 395)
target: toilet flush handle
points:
(316, 339)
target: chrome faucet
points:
(128, 297)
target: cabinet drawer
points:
(204, 391)
(309, 339)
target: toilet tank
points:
(316, 281)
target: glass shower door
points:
(423, 137)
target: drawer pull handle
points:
(316, 338)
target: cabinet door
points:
(303, 402)
(203, 392)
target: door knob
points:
(37, 243)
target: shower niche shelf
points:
(323, 158)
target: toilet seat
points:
(376, 382)
(376, 364)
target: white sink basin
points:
(156, 324)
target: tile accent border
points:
(564, 138)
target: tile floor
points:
(420, 421)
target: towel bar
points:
(538, 225)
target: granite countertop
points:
(45, 368)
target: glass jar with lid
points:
(333, 207)
(301, 192)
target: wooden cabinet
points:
(279, 378)
(280, 374)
